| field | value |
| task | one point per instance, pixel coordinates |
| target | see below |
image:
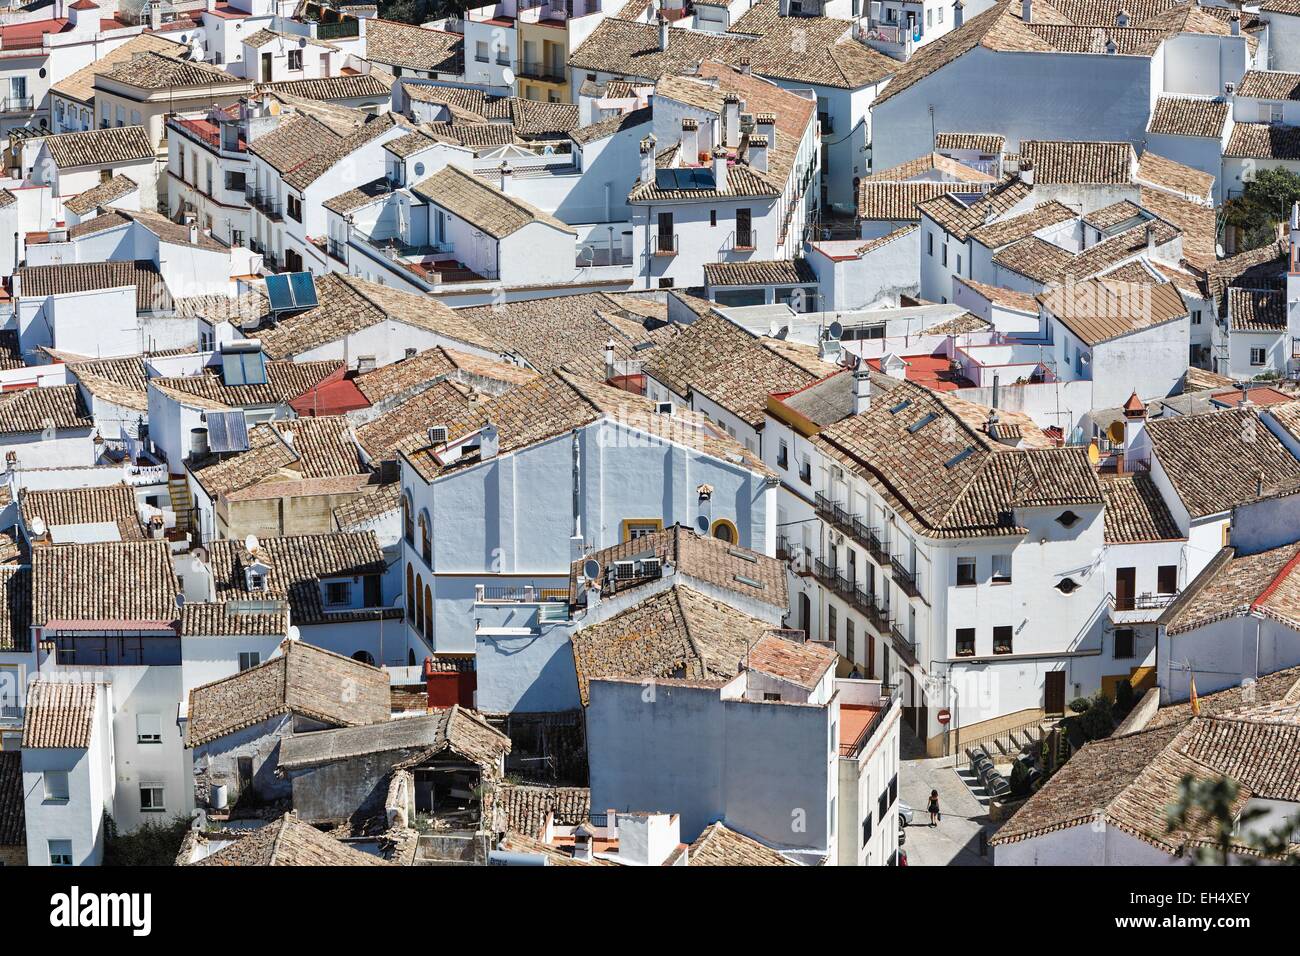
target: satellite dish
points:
(836, 331)
(591, 569)
(1116, 432)
(293, 633)
(251, 542)
(180, 599)
(38, 526)
(302, 42)
(702, 524)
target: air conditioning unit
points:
(624, 570)
(438, 435)
(649, 567)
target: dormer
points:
(257, 573)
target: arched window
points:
(364, 657)
(411, 594)
(419, 605)
(428, 613)
(408, 521)
(724, 530)
(426, 539)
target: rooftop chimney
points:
(765, 125)
(582, 843)
(730, 120)
(1027, 10)
(1151, 238)
(489, 442)
(758, 153)
(720, 170)
(744, 67)
(690, 151)
(958, 14)
(1234, 24)
(1027, 171)
(647, 160)
(506, 174)
(861, 388)
(194, 233)
(609, 360)
(664, 27)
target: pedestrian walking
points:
(935, 817)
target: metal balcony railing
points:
(744, 239)
(17, 104)
(665, 245)
(538, 70)
(907, 578)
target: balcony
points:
(337, 251)
(907, 579)
(877, 547)
(537, 70)
(854, 526)
(338, 31)
(665, 245)
(905, 648)
(268, 204)
(17, 104)
(744, 240)
(784, 550)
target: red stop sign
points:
(944, 716)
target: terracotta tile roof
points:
(1257, 310)
(898, 201)
(958, 218)
(74, 506)
(1008, 298)
(1270, 85)
(719, 845)
(301, 679)
(350, 304)
(36, 409)
(1098, 310)
(1279, 688)
(60, 714)
(1135, 511)
(1188, 116)
(16, 608)
(248, 309)
(409, 421)
(289, 842)
(759, 272)
(1287, 7)
(410, 144)
(102, 195)
(405, 375)
(600, 129)
(1214, 460)
(412, 47)
(1035, 259)
(946, 477)
(705, 559)
(1234, 585)
(732, 366)
(265, 37)
(215, 619)
(571, 332)
(81, 84)
(451, 729)
(268, 456)
(305, 147)
(481, 205)
(1001, 232)
(1263, 141)
(1196, 221)
(285, 381)
(364, 508)
(151, 292)
(804, 664)
(1128, 782)
(13, 821)
(1078, 163)
(149, 70)
(675, 633)
(931, 163)
(1175, 177)
(1256, 268)
(555, 856)
(376, 83)
(298, 564)
(991, 144)
(524, 808)
(85, 583)
(963, 324)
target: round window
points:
(419, 169)
(41, 72)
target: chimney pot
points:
(861, 387)
(1027, 11)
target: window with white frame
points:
(148, 728)
(1001, 569)
(151, 798)
(1256, 356)
(249, 659)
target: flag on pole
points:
(1196, 704)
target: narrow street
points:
(955, 841)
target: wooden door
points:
(1125, 588)
(1054, 692)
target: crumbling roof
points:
(301, 679)
(289, 841)
(524, 808)
(455, 729)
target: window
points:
(60, 852)
(1167, 579)
(1123, 643)
(783, 455)
(832, 626)
(769, 696)
(249, 659)
(866, 830)
(944, 254)
(634, 528)
(56, 785)
(1002, 639)
(724, 530)
(148, 729)
(805, 470)
(665, 283)
(965, 642)
(1067, 519)
(965, 572)
(1001, 569)
(295, 59)
(929, 244)
(295, 208)
(338, 592)
(1256, 356)
(408, 521)
(1196, 316)
(426, 538)
(236, 182)
(151, 798)
(1066, 585)
(849, 649)
(713, 217)
(744, 229)
(481, 51)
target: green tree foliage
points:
(1211, 802)
(1265, 202)
(153, 844)
(1098, 720)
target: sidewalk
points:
(955, 841)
